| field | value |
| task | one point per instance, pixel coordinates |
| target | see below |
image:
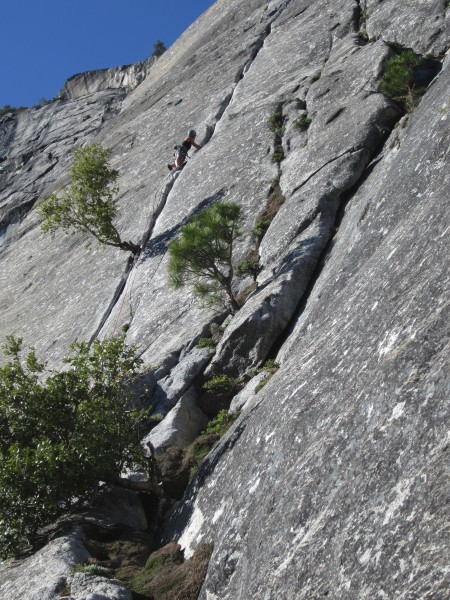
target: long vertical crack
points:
(345, 198)
(163, 193)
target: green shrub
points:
(87, 205)
(61, 436)
(221, 384)
(275, 123)
(260, 228)
(302, 122)
(315, 76)
(248, 266)
(363, 16)
(206, 343)
(156, 418)
(397, 81)
(221, 423)
(270, 365)
(261, 384)
(278, 155)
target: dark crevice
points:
(335, 115)
(117, 294)
(164, 192)
(14, 217)
(329, 162)
(345, 198)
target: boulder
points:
(170, 389)
(85, 586)
(46, 573)
(242, 400)
(181, 425)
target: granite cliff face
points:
(331, 482)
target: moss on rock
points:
(167, 576)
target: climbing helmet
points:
(192, 133)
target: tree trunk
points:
(130, 247)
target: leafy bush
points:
(202, 254)
(363, 16)
(206, 343)
(60, 437)
(260, 228)
(261, 384)
(221, 423)
(275, 123)
(278, 155)
(248, 266)
(221, 384)
(302, 122)
(270, 365)
(156, 418)
(397, 81)
(315, 76)
(87, 204)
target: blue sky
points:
(44, 42)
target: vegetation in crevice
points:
(168, 576)
(398, 81)
(361, 20)
(302, 122)
(249, 266)
(275, 123)
(270, 367)
(204, 342)
(220, 424)
(221, 384)
(93, 569)
(277, 155)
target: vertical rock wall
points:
(341, 457)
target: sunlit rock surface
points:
(331, 483)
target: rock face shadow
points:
(157, 246)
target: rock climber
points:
(181, 150)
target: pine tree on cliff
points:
(87, 204)
(202, 254)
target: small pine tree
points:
(87, 204)
(202, 253)
(397, 81)
(158, 48)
